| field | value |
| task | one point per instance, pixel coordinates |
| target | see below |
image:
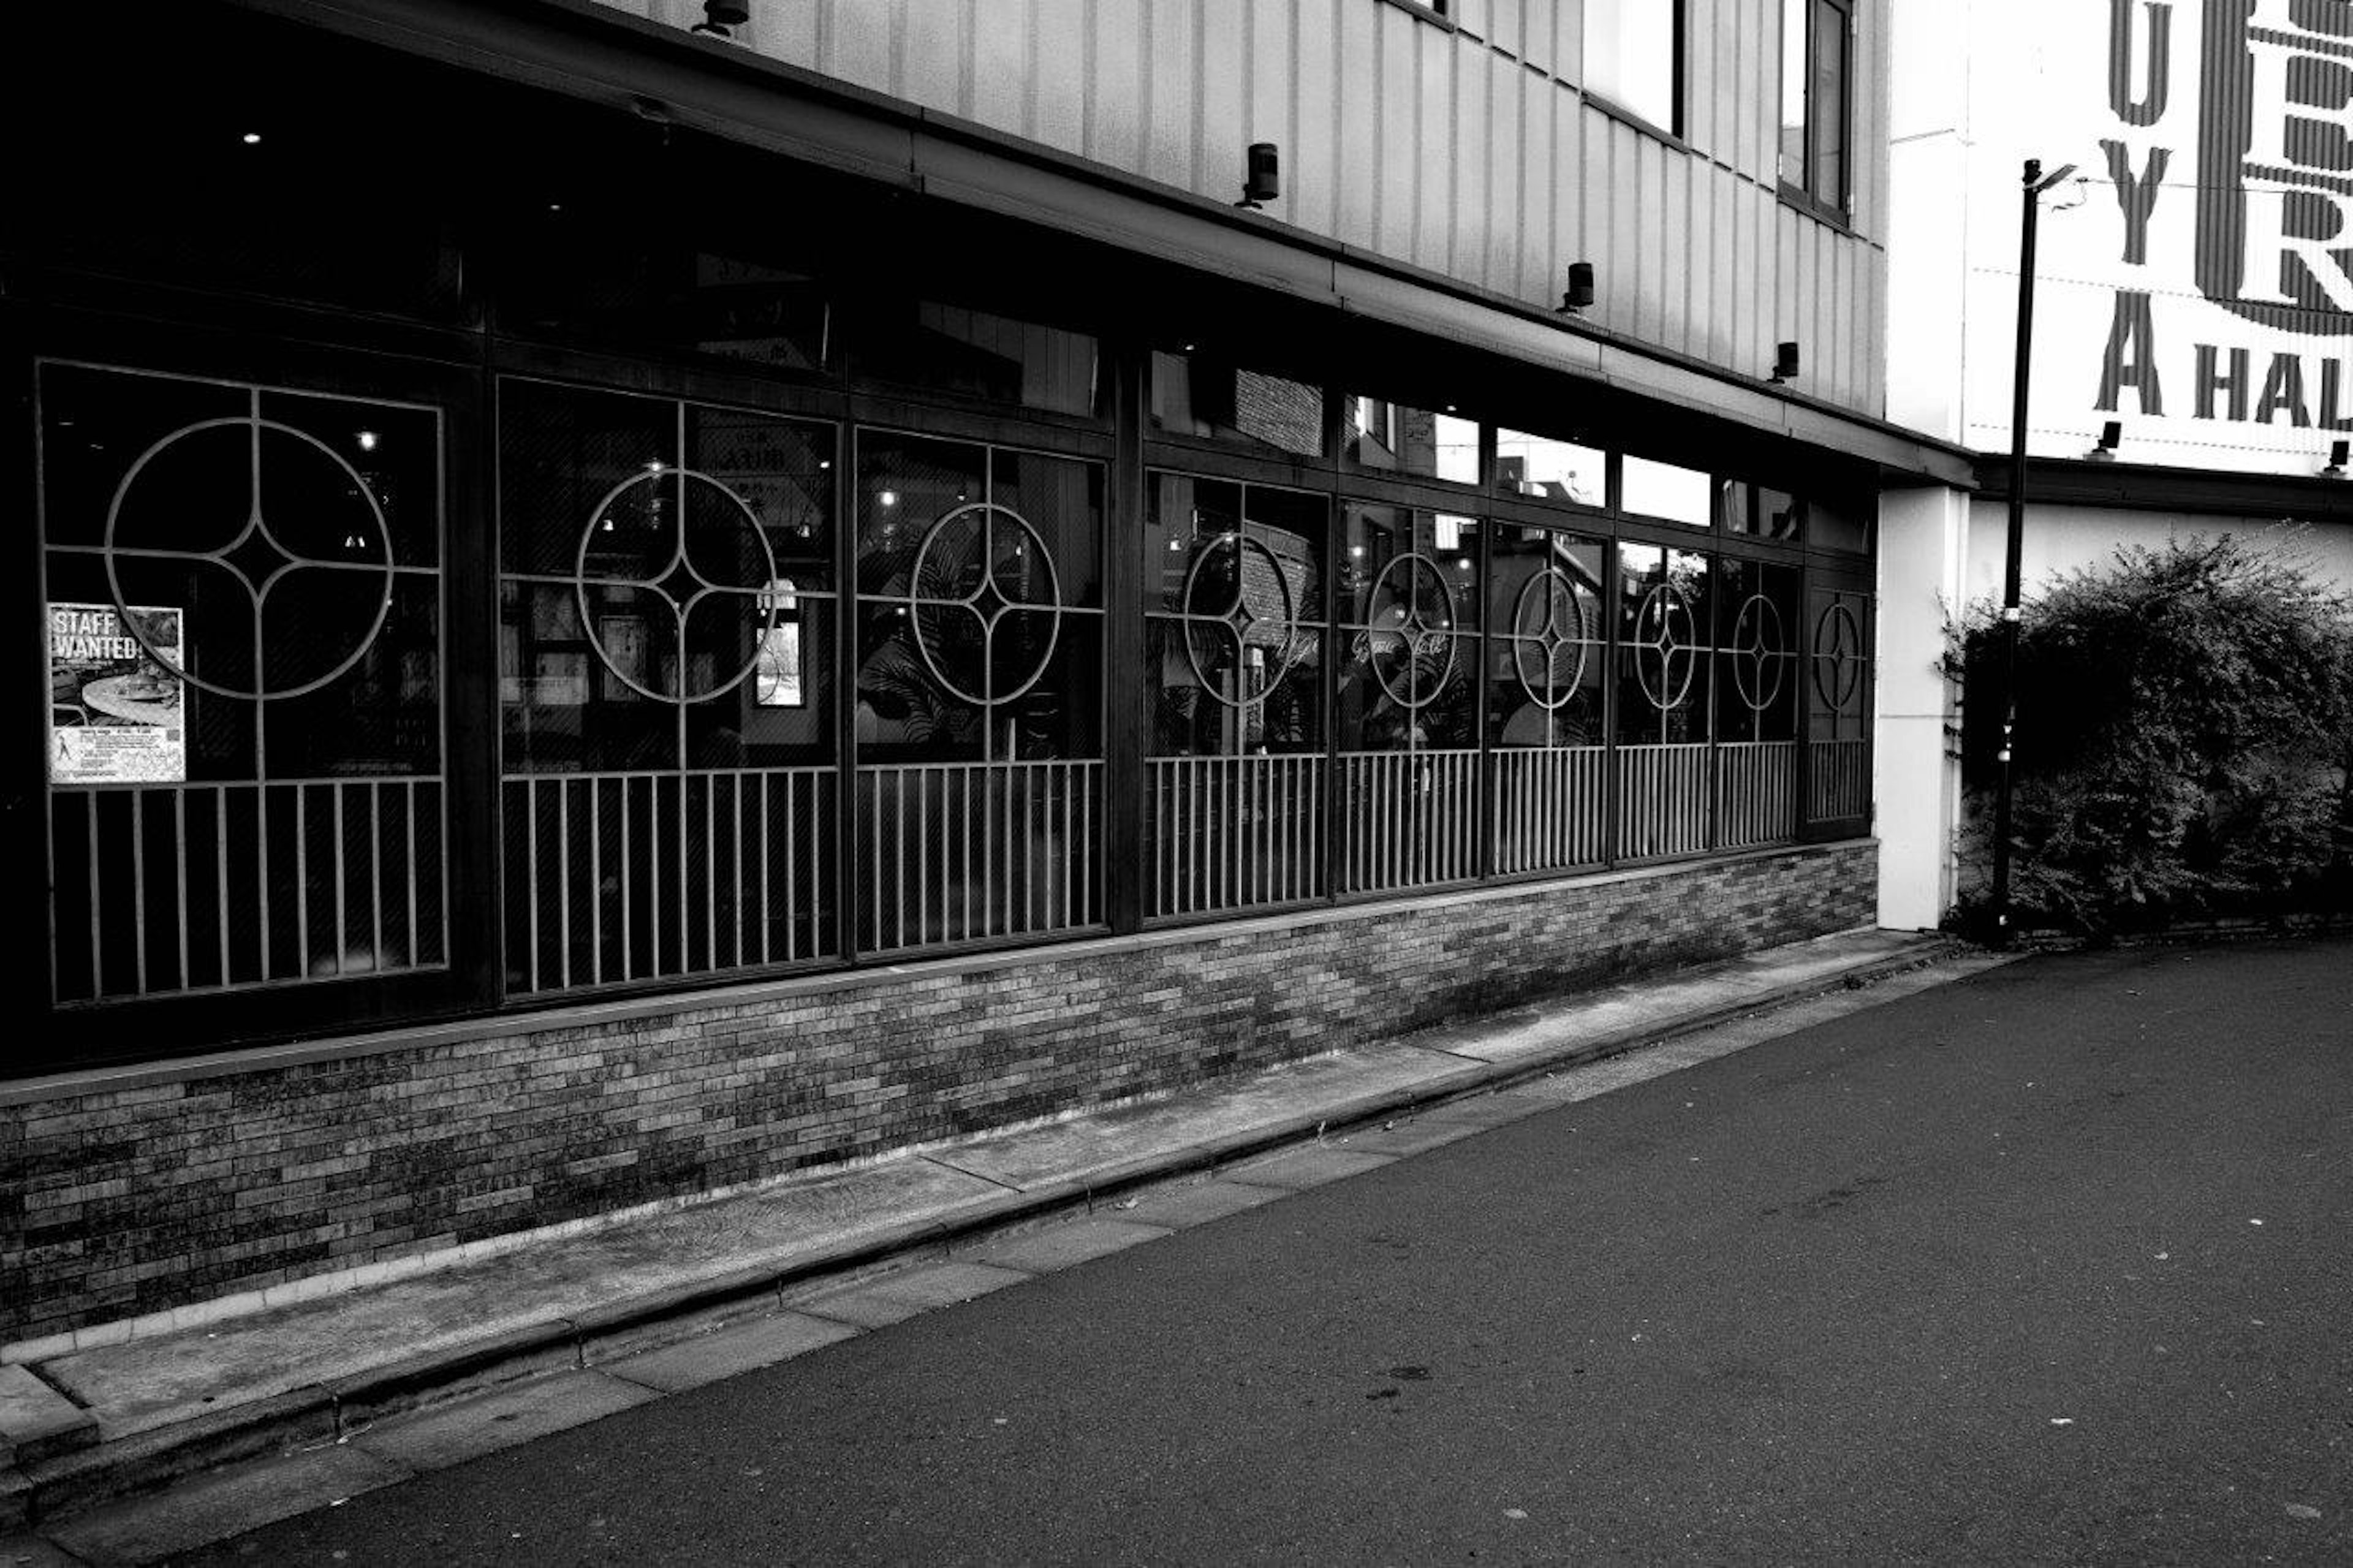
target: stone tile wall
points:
(122, 1195)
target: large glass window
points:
(973, 353)
(1649, 488)
(1546, 712)
(1411, 600)
(979, 690)
(1665, 643)
(1200, 394)
(1555, 471)
(1817, 111)
(1234, 638)
(1757, 622)
(1631, 57)
(1424, 442)
(665, 681)
(245, 739)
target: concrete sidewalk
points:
(815, 1258)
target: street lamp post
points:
(2033, 183)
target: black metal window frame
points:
(1805, 192)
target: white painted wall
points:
(1924, 549)
(2063, 538)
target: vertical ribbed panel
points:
(1467, 151)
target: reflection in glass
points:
(1545, 669)
(1662, 490)
(976, 354)
(1410, 592)
(1201, 394)
(1397, 438)
(1234, 602)
(1557, 470)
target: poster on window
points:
(116, 716)
(776, 682)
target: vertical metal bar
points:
(964, 776)
(180, 874)
(1092, 774)
(139, 890)
(342, 900)
(629, 887)
(735, 821)
(923, 856)
(564, 883)
(765, 864)
(874, 883)
(411, 852)
(302, 880)
(899, 850)
(710, 868)
(1073, 776)
(97, 928)
(531, 871)
(596, 880)
(376, 872)
(681, 867)
(220, 878)
(1004, 816)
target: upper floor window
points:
(1632, 57)
(1817, 108)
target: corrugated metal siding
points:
(1467, 149)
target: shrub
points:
(2185, 728)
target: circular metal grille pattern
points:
(1665, 642)
(973, 570)
(259, 558)
(1551, 640)
(1410, 591)
(1758, 653)
(1235, 622)
(1838, 655)
(667, 565)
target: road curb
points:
(61, 1486)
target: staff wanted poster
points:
(116, 716)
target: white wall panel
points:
(1466, 149)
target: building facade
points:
(2191, 366)
(628, 610)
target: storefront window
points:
(665, 675)
(1400, 438)
(1649, 488)
(1546, 714)
(973, 353)
(1234, 639)
(1755, 703)
(979, 690)
(1205, 395)
(1665, 637)
(1555, 471)
(245, 744)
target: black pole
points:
(2013, 547)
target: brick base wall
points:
(122, 1194)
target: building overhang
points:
(591, 51)
(2147, 487)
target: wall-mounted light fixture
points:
(1262, 181)
(1580, 288)
(2339, 453)
(1785, 361)
(718, 16)
(2111, 434)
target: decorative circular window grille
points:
(1837, 656)
(1666, 657)
(1548, 627)
(1237, 624)
(669, 569)
(1757, 654)
(1409, 589)
(259, 559)
(993, 549)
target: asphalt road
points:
(2053, 1265)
